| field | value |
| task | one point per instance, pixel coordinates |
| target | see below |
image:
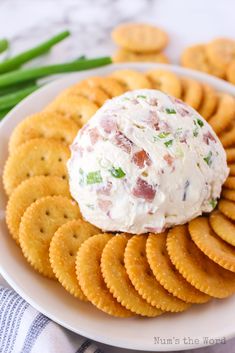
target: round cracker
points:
(165, 81)
(131, 79)
(38, 225)
(224, 114)
(109, 85)
(221, 51)
(230, 153)
(90, 277)
(196, 267)
(228, 137)
(209, 101)
(117, 280)
(191, 92)
(230, 182)
(227, 208)
(140, 37)
(223, 227)
(77, 108)
(195, 57)
(35, 157)
(230, 72)
(166, 273)
(211, 245)
(94, 94)
(43, 125)
(28, 192)
(64, 246)
(231, 169)
(123, 55)
(143, 279)
(228, 194)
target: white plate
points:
(168, 332)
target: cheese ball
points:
(145, 162)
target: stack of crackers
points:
(139, 42)
(122, 275)
(215, 58)
(145, 43)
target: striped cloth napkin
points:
(24, 330)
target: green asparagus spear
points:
(3, 45)
(16, 61)
(25, 75)
(16, 87)
(3, 113)
(10, 100)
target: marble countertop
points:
(27, 22)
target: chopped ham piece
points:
(154, 229)
(144, 190)
(183, 112)
(105, 190)
(108, 124)
(208, 137)
(165, 126)
(169, 159)
(134, 101)
(122, 141)
(141, 159)
(183, 139)
(153, 120)
(94, 135)
(104, 205)
(179, 101)
(182, 108)
(153, 102)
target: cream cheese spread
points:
(145, 162)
